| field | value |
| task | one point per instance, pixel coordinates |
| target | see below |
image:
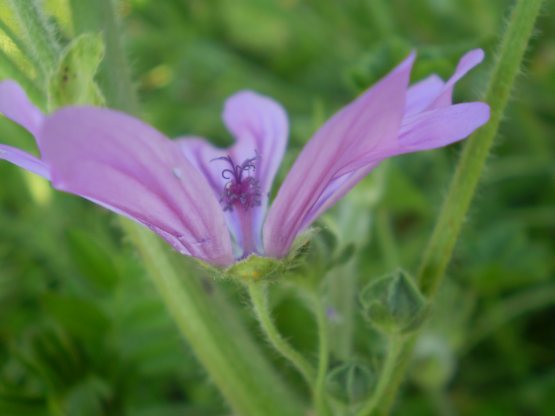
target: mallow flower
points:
(212, 203)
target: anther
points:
(242, 189)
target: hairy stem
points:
(39, 35)
(388, 370)
(258, 295)
(323, 357)
(477, 148)
(469, 169)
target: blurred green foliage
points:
(83, 333)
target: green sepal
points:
(351, 381)
(393, 304)
(73, 80)
(255, 268)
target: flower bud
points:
(393, 304)
(351, 381)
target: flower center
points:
(242, 189)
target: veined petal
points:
(202, 156)
(127, 166)
(425, 131)
(367, 126)
(259, 124)
(441, 126)
(201, 153)
(24, 160)
(260, 128)
(16, 106)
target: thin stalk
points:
(477, 148)
(259, 299)
(469, 169)
(39, 35)
(244, 378)
(386, 374)
(323, 357)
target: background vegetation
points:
(82, 332)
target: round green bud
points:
(351, 381)
(393, 304)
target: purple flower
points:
(211, 203)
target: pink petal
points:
(201, 154)
(431, 129)
(260, 128)
(442, 126)
(127, 166)
(422, 94)
(433, 92)
(466, 63)
(16, 106)
(24, 160)
(259, 124)
(367, 126)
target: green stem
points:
(470, 167)
(387, 372)
(39, 36)
(323, 357)
(259, 299)
(473, 159)
(235, 365)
